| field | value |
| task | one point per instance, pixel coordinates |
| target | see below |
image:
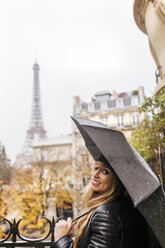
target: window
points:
(91, 107)
(119, 121)
(78, 108)
(104, 120)
(44, 154)
(104, 106)
(119, 103)
(135, 119)
(134, 101)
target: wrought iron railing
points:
(15, 239)
(14, 233)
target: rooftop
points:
(60, 140)
(105, 101)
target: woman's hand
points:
(63, 228)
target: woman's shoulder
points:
(115, 204)
(118, 207)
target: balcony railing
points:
(15, 239)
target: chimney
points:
(76, 100)
(114, 94)
(141, 95)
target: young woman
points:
(112, 221)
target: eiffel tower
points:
(36, 123)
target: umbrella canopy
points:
(139, 180)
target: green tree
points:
(151, 132)
(5, 176)
(5, 169)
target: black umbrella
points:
(139, 180)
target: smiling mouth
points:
(95, 183)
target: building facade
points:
(118, 111)
(53, 149)
(150, 18)
(56, 153)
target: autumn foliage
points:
(151, 132)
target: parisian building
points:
(119, 111)
(150, 18)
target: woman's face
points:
(102, 178)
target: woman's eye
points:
(95, 168)
(105, 172)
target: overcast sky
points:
(82, 46)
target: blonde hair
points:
(92, 200)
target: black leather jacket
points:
(115, 224)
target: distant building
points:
(53, 149)
(118, 111)
(57, 153)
